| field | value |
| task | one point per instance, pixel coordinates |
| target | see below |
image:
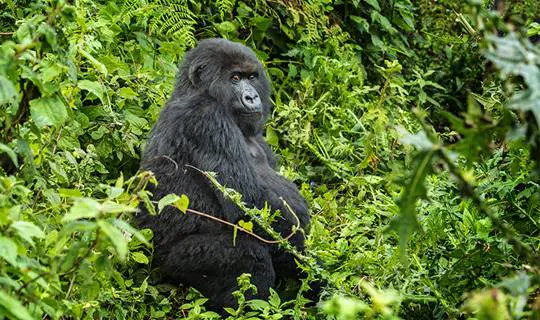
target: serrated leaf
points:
(407, 222)
(8, 250)
(383, 21)
(113, 207)
(13, 307)
(361, 24)
(118, 240)
(181, 203)
(49, 111)
(28, 230)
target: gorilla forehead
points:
(226, 54)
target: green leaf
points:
(93, 87)
(182, 204)
(8, 250)
(69, 193)
(272, 137)
(407, 222)
(361, 24)
(127, 93)
(121, 224)
(49, 111)
(8, 92)
(83, 208)
(246, 225)
(11, 154)
(95, 63)
(167, 200)
(374, 4)
(139, 257)
(420, 140)
(383, 21)
(118, 240)
(28, 230)
(13, 307)
(225, 27)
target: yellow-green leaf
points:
(246, 225)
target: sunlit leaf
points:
(8, 250)
(118, 240)
(28, 230)
(49, 111)
(13, 307)
(93, 87)
(83, 208)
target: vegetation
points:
(412, 128)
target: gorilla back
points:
(214, 122)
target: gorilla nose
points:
(252, 102)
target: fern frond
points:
(225, 7)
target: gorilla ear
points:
(195, 73)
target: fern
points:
(225, 7)
(171, 18)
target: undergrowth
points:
(411, 128)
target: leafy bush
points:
(441, 223)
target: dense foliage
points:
(412, 128)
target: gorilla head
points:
(231, 74)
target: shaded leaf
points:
(8, 92)
(11, 154)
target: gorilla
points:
(214, 122)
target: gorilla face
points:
(231, 74)
(247, 102)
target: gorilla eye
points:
(235, 78)
(252, 76)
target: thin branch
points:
(206, 215)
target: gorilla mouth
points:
(252, 114)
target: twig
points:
(206, 215)
(279, 241)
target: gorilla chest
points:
(256, 153)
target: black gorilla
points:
(214, 122)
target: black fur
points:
(201, 126)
